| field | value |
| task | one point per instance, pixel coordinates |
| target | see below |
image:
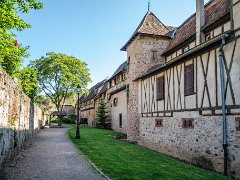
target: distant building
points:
(89, 102)
(117, 97)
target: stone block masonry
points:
(19, 117)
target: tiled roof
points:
(149, 25)
(121, 68)
(214, 10)
(104, 88)
(93, 91)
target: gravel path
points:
(51, 156)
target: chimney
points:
(200, 20)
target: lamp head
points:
(78, 88)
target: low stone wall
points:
(19, 117)
(200, 145)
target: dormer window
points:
(153, 55)
(185, 49)
(207, 36)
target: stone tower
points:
(144, 51)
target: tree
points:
(11, 54)
(28, 82)
(102, 118)
(58, 76)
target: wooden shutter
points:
(189, 80)
(160, 88)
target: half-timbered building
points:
(183, 86)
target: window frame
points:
(120, 120)
(189, 80)
(160, 88)
(188, 123)
(158, 122)
(237, 123)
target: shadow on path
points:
(51, 156)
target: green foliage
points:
(59, 75)
(54, 119)
(122, 160)
(66, 121)
(72, 117)
(11, 55)
(8, 13)
(28, 82)
(102, 118)
(43, 102)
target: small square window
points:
(158, 123)
(188, 123)
(237, 123)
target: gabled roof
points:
(104, 88)
(120, 69)
(214, 10)
(93, 91)
(150, 25)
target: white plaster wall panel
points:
(227, 26)
(217, 31)
(121, 108)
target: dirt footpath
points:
(51, 156)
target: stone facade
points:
(160, 124)
(139, 54)
(19, 118)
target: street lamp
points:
(78, 114)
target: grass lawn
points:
(121, 160)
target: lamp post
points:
(78, 114)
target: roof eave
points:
(124, 48)
(190, 52)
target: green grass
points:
(121, 160)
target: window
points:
(115, 101)
(158, 123)
(189, 80)
(124, 76)
(207, 36)
(120, 120)
(160, 88)
(153, 55)
(237, 123)
(185, 49)
(128, 63)
(188, 123)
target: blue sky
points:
(94, 30)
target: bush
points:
(66, 121)
(54, 119)
(72, 118)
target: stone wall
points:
(201, 145)
(19, 117)
(139, 54)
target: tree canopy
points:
(11, 54)
(27, 80)
(58, 76)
